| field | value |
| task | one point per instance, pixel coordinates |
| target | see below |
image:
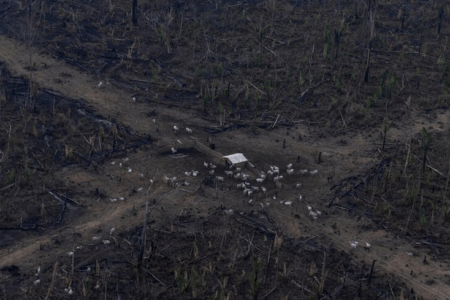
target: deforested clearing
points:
(224, 149)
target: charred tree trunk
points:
(441, 18)
(372, 10)
(337, 42)
(424, 160)
(426, 146)
(2, 97)
(143, 238)
(30, 41)
(366, 74)
(371, 273)
(385, 130)
(420, 47)
(133, 13)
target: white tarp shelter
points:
(235, 159)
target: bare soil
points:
(79, 158)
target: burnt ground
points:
(279, 81)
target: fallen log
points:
(19, 228)
(309, 91)
(58, 197)
(257, 224)
(61, 215)
(100, 121)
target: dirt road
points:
(390, 252)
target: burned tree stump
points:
(133, 13)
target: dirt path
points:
(388, 250)
(392, 254)
(110, 101)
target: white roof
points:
(236, 158)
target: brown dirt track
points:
(387, 249)
(179, 213)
